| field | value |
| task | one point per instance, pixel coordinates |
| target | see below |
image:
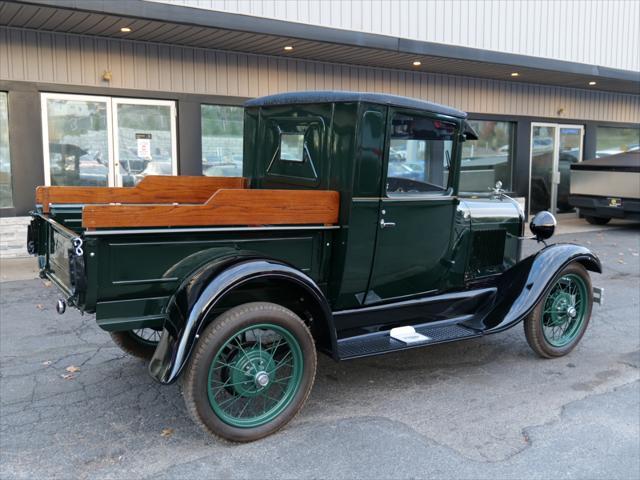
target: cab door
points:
(417, 208)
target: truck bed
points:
(123, 260)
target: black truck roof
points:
(331, 96)
(621, 162)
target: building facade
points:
(103, 93)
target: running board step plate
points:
(381, 342)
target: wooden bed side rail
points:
(151, 189)
(225, 207)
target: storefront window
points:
(77, 140)
(222, 140)
(612, 140)
(6, 196)
(488, 159)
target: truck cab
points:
(345, 235)
(396, 163)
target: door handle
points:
(384, 224)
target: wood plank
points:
(225, 207)
(151, 189)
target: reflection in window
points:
(6, 196)
(145, 144)
(612, 140)
(419, 155)
(222, 128)
(292, 147)
(488, 159)
(78, 142)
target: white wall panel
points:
(596, 32)
(80, 60)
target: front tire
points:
(559, 320)
(251, 372)
(597, 220)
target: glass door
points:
(570, 151)
(76, 136)
(104, 141)
(554, 147)
(543, 167)
(144, 139)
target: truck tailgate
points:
(60, 252)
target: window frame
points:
(450, 190)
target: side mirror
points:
(543, 225)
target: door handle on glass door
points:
(384, 224)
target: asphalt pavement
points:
(482, 408)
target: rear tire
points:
(138, 343)
(597, 220)
(250, 373)
(559, 320)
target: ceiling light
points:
(592, 82)
(288, 48)
(125, 29)
(416, 63)
(515, 74)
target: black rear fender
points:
(520, 288)
(223, 284)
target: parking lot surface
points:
(483, 408)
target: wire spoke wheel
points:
(564, 310)
(147, 336)
(559, 320)
(252, 371)
(255, 375)
(140, 343)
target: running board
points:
(378, 343)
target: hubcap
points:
(564, 310)
(255, 375)
(262, 379)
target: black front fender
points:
(190, 307)
(520, 288)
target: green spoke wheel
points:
(255, 375)
(252, 371)
(558, 322)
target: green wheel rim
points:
(255, 375)
(564, 310)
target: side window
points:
(420, 152)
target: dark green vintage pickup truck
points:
(346, 235)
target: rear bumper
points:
(594, 206)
